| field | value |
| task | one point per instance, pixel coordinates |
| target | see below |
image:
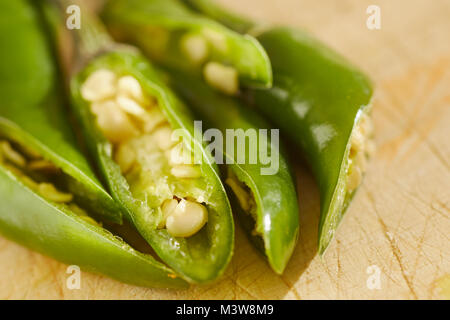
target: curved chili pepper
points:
(35, 222)
(217, 12)
(322, 103)
(266, 200)
(31, 117)
(163, 27)
(198, 258)
(32, 111)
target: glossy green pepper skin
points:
(317, 99)
(32, 221)
(28, 80)
(277, 213)
(133, 19)
(202, 257)
(227, 18)
(32, 111)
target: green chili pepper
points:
(322, 103)
(129, 118)
(264, 191)
(59, 232)
(227, 18)
(175, 36)
(35, 213)
(32, 111)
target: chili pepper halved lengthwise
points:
(46, 186)
(32, 115)
(129, 120)
(177, 37)
(264, 191)
(319, 100)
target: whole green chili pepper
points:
(322, 102)
(264, 190)
(34, 213)
(175, 36)
(32, 111)
(129, 118)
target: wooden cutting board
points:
(398, 226)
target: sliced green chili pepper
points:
(34, 212)
(175, 36)
(263, 189)
(322, 103)
(59, 232)
(32, 111)
(130, 118)
(229, 19)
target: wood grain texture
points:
(399, 221)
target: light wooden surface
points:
(399, 221)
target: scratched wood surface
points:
(399, 221)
